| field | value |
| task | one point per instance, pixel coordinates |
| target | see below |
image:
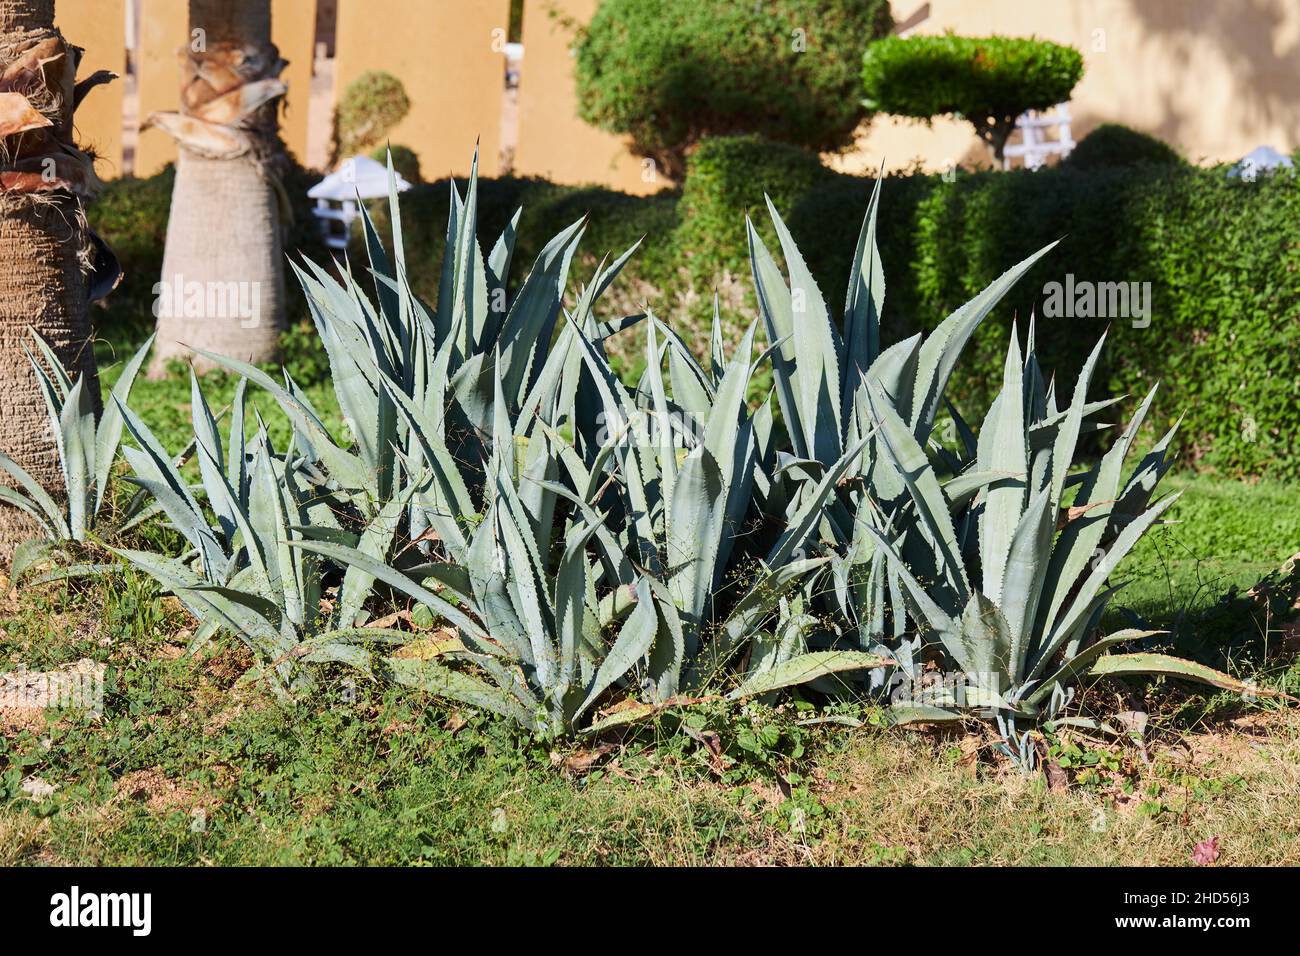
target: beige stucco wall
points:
(450, 57)
(97, 26)
(293, 30)
(553, 142)
(164, 28)
(1214, 79)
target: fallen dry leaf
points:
(390, 620)
(582, 761)
(1206, 852)
(441, 641)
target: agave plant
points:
(425, 393)
(822, 376)
(587, 539)
(1011, 594)
(448, 509)
(552, 630)
(531, 646)
(688, 471)
(87, 452)
(241, 573)
(394, 358)
(824, 379)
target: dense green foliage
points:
(729, 176)
(668, 72)
(988, 81)
(1113, 144)
(1225, 288)
(368, 110)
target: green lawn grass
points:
(1221, 533)
(186, 767)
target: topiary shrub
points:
(405, 160)
(370, 107)
(669, 72)
(727, 178)
(987, 81)
(1113, 144)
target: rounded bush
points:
(370, 107)
(669, 72)
(727, 178)
(988, 81)
(1113, 144)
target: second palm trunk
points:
(222, 287)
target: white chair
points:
(1035, 146)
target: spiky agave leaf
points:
(806, 668)
(1028, 630)
(86, 450)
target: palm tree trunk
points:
(222, 286)
(46, 247)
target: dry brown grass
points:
(911, 794)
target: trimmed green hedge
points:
(405, 161)
(729, 176)
(370, 107)
(1113, 144)
(1222, 258)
